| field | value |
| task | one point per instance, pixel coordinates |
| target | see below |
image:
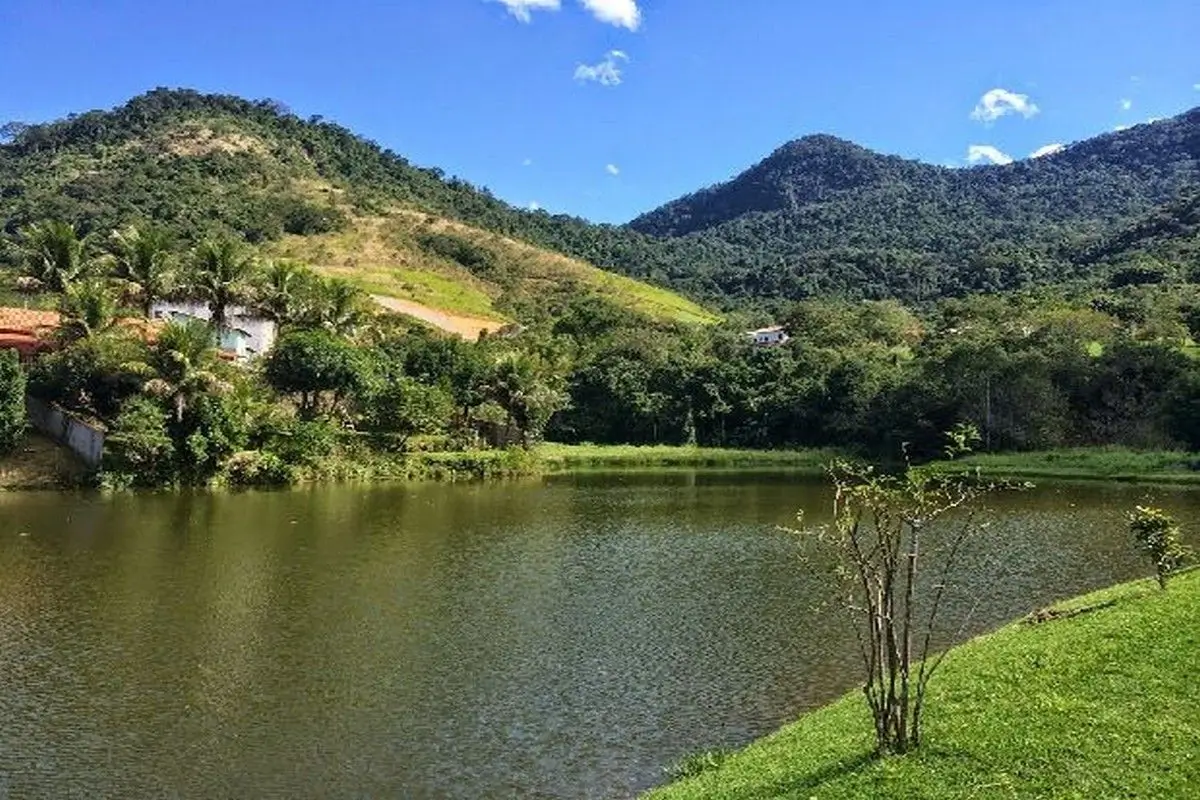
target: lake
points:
(563, 638)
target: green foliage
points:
(253, 468)
(143, 260)
(88, 309)
(222, 275)
(399, 407)
(1157, 535)
(53, 254)
(12, 401)
(139, 450)
(316, 367)
(93, 376)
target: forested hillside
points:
(826, 216)
(819, 217)
(205, 166)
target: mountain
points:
(204, 165)
(825, 215)
(818, 217)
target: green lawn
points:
(560, 457)
(1092, 463)
(1101, 705)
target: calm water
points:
(565, 639)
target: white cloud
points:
(522, 9)
(979, 153)
(534, 205)
(1126, 104)
(612, 169)
(527, 162)
(1196, 86)
(998, 103)
(606, 73)
(1120, 128)
(622, 13)
(1048, 150)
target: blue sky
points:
(607, 108)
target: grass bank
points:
(564, 458)
(366, 464)
(1099, 705)
(1091, 463)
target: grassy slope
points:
(1092, 463)
(1101, 705)
(561, 457)
(382, 254)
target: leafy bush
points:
(255, 468)
(1156, 534)
(12, 401)
(139, 450)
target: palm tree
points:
(342, 306)
(222, 274)
(142, 258)
(277, 295)
(88, 308)
(186, 364)
(54, 254)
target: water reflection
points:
(558, 639)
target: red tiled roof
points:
(28, 321)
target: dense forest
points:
(819, 217)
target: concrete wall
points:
(84, 439)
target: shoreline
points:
(41, 465)
(1092, 704)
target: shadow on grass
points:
(801, 782)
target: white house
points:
(769, 337)
(244, 335)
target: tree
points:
(1156, 534)
(281, 282)
(881, 524)
(142, 258)
(88, 309)
(320, 369)
(139, 450)
(186, 366)
(12, 401)
(53, 254)
(530, 391)
(222, 276)
(402, 407)
(337, 305)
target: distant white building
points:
(769, 337)
(244, 336)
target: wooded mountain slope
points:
(827, 216)
(205, 165)
(819, 217)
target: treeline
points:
(346, 385)
(818, 218)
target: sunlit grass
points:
(1098, 463)
(1102, 704)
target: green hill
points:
(819, 217)
(1102, 704)
(206, 164)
